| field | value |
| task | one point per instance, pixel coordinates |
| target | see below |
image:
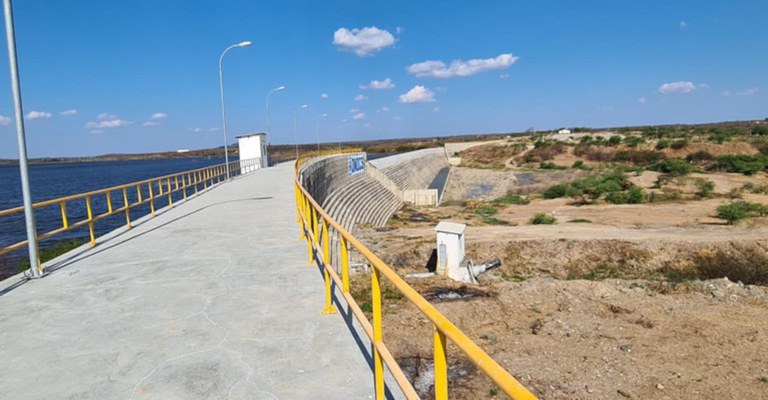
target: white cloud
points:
(71, 111)
(641, 100)
(159, 115)
(418, 94)
(363, 41)
(359, 116)
(4, 121)
(378, 85)
(398, 118)
(683, 24)
(196, 129)
(438, 69)
(360, 97)
(107, 123)
(150, 123)
(748, 92)
(38, 115)
(104, 116)
(323, 95)
(353, 110)
(703, 85)
(399, 30)
(383, 109)
(677, 87)
(726, 93)
(214, 129)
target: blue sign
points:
(355, 164)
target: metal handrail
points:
(195, 181)
(315, 224)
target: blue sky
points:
(452, 68)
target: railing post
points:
(64, 220)
(109, 201)
(441, 365)
(170, 192)
(138, 192)
(378, 363)
(184, 185)
(344, 263)
(310, 229)
(151, 199)
(90, 219)
(127, 207)
(329, 308)
(197, 181)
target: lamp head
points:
(244, 44)
(281, 87)
(304, 106)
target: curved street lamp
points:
(269, 127)
(223, 109)
(296, 128)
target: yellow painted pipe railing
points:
(193, 181)
(315, 226)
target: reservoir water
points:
(54, 180)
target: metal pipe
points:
(35, 268)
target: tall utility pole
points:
(35, 268)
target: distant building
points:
(182, 151)
(252, 146)
(564, 131)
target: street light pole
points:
(296, 128)
(35, 268)
(269, 127)
(223, 109)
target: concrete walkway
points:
(212, 299)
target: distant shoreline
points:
(118, 157)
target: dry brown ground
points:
(592, 310)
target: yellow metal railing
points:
(315, 228)
(190, 183)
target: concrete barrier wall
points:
(413, 174)
(349, 199)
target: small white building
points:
(252, 146)
(564, 131)
(450, 249)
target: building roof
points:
(251, 134)
(450, 227)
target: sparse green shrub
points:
(759, 130)
(543, 219)
(511, 198)
(663, 144)
(634, 195)
(742, 163)
(580, 221)
(578, 164)
(614, 141)
(633, 141)
(485, 211)
(556, 191)
(705, 188)
(679, 144)
(699, 157)
(739, 210)
(673, 166)
(551, 165)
